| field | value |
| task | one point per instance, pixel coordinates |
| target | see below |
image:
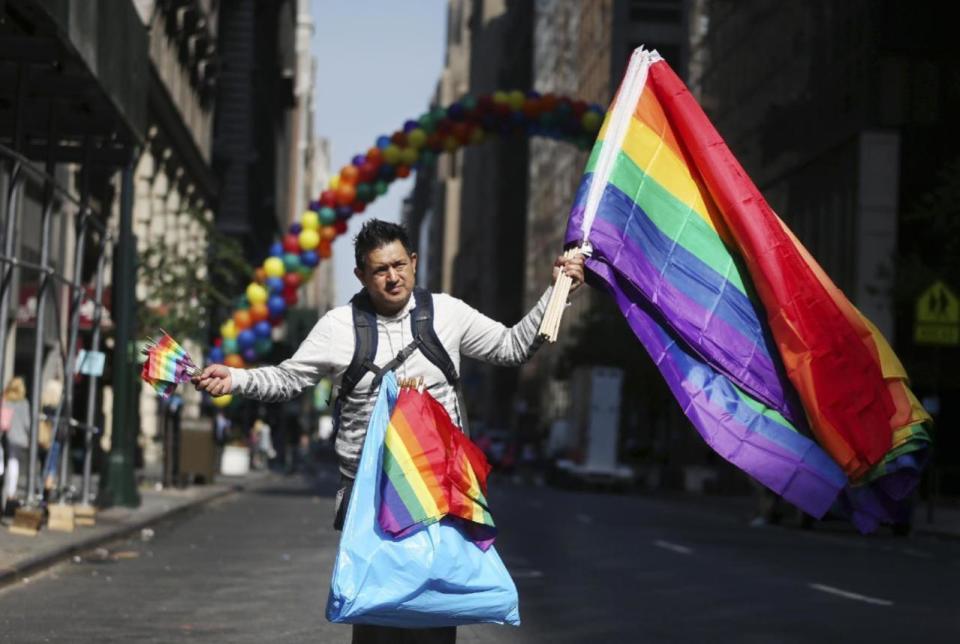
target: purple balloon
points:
(314, 205)
(296, 228)
(410, 125)
(344, 212)
(250, 355)
(358, 161)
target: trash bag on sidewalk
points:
(434, 577)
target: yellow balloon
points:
(499, 96)
(515, 99)
(222, 401)
(310, 220)
(408, 156)
(273, 267)
(391, 154)
(256, 294)
(228, 330)
(309, 239)
(335, 182)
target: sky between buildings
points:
(378, 63)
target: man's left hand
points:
(572, 268)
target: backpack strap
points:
(421, 323)
(365, 345)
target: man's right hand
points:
(215, 380)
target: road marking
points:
(849, 595)
(527, 574)
(673, 547)
(585, 519)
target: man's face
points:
(388, 274)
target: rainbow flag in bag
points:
(776, 369)
(430, 470)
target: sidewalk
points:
(22, 555)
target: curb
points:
(38, 562)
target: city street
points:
(255, 567)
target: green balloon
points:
(262, 346)
(291, 262)
(364, 192)
(438, 113)
(427, 123)
(468, 102)
(327, 215)
(380, 187)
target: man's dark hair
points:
(375, 234)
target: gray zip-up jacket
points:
(328, 350)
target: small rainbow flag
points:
(430, 470)
(167, 365)
(776, 369)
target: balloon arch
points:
(246, 336)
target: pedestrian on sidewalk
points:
(18, 440)
(386, 268)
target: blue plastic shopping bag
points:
(434, 577)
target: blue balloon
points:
(230, 346)
(262, 329)
(314, 205)
(455, 112)
(275, 284)
(246, 338)
(250, 355)
(216, 356)
(327, 215)
(383, 141)
(386, 172)
(276, 305)
(295, 228)
(276, 249)
(309, 258)
(358, 161)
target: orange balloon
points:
(349, 174)
(328, 233)
(259, 276)
(241, 319)
(374, 155)
(346, 193)
(325, 249)
(258, 313)
(233, 360)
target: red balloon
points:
(367, 172)
(403, 171)
(290, 296)
(275, 320)
(291, 280)
(502, 110)
(359, 206)
(579, 107)
(291, 244)
(435, 142)
(346, 193)
(340, 226)
(444, 126)
(399, 139)
(460, 131)
(217, 342)
(531, 108)
(328, 198)
(548, 102)
(374, 155)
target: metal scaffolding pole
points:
(92, 384)
(44, 278)
(121, 488)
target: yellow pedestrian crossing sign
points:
(938, 317)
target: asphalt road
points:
(589, 567)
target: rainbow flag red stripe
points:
(430, 470)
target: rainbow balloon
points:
(246, 337)
(431, 471)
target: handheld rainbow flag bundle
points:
(167, 364)
(775, 368)
(431, 470)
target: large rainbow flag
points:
(431, 471)
(776, 369)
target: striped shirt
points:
(328, 351)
